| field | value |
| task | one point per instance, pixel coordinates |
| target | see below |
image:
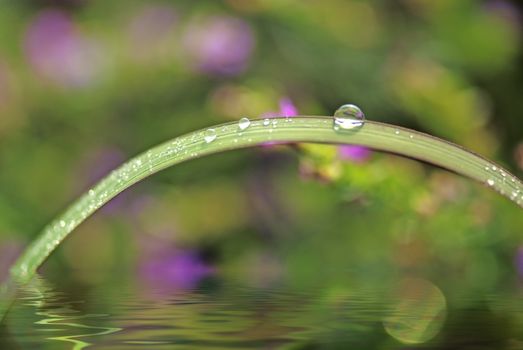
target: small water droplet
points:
(244, 123)
(62, 223)
(494, 168)
(266, 121)
(411, 136)
(209, 136)
(397, 132)
(348, 117)
(490, 182)
(91, 192)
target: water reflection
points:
(220, 315)
(53, 313)
(419, 313)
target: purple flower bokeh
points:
(287, 107)
(173, 269)
(354, 153)
(506, 10)
(518, 261)
(58, 52)
(219, 45)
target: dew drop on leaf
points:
(244, 123)
(209, 136)
(348, 117)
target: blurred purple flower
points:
(150, 31)
(58, 52)
(354, 153)
(219, 45)
(287, 108)
(506, 10)
(167, 268)
(518, 261)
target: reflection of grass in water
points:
(238, 316)
(231, 136)
(42, 297)
(54, 319)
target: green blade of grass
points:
(375, 135)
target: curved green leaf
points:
(229, 136)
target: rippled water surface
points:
(232, 316)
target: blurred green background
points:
(86, 84)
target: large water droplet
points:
(348, 117)
(244, 123)
(209, 136)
